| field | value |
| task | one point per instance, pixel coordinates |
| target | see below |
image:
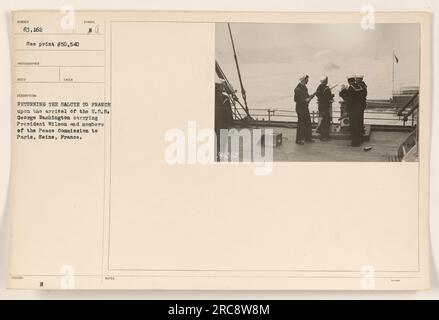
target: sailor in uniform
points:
(302, 99)
(223, 115)
(324, 100)
(355, 95)
(360, 80)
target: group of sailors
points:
(354, 99)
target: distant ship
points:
(398, 100)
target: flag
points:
(396, 58)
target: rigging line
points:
(244, 96)
(230, 91)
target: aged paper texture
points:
(118, 181)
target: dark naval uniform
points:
(355, 95)
(324, 97)
(223, 110)
(304, 129)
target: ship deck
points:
(384, 146)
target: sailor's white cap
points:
(302, 78)
(359, 76)
(323, 79)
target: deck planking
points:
(383, 144)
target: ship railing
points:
(374, 116)
(409, 112)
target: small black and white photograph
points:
(317, 91)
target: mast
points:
(244, 96)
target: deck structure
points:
(384, 146)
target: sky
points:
(272, 57)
